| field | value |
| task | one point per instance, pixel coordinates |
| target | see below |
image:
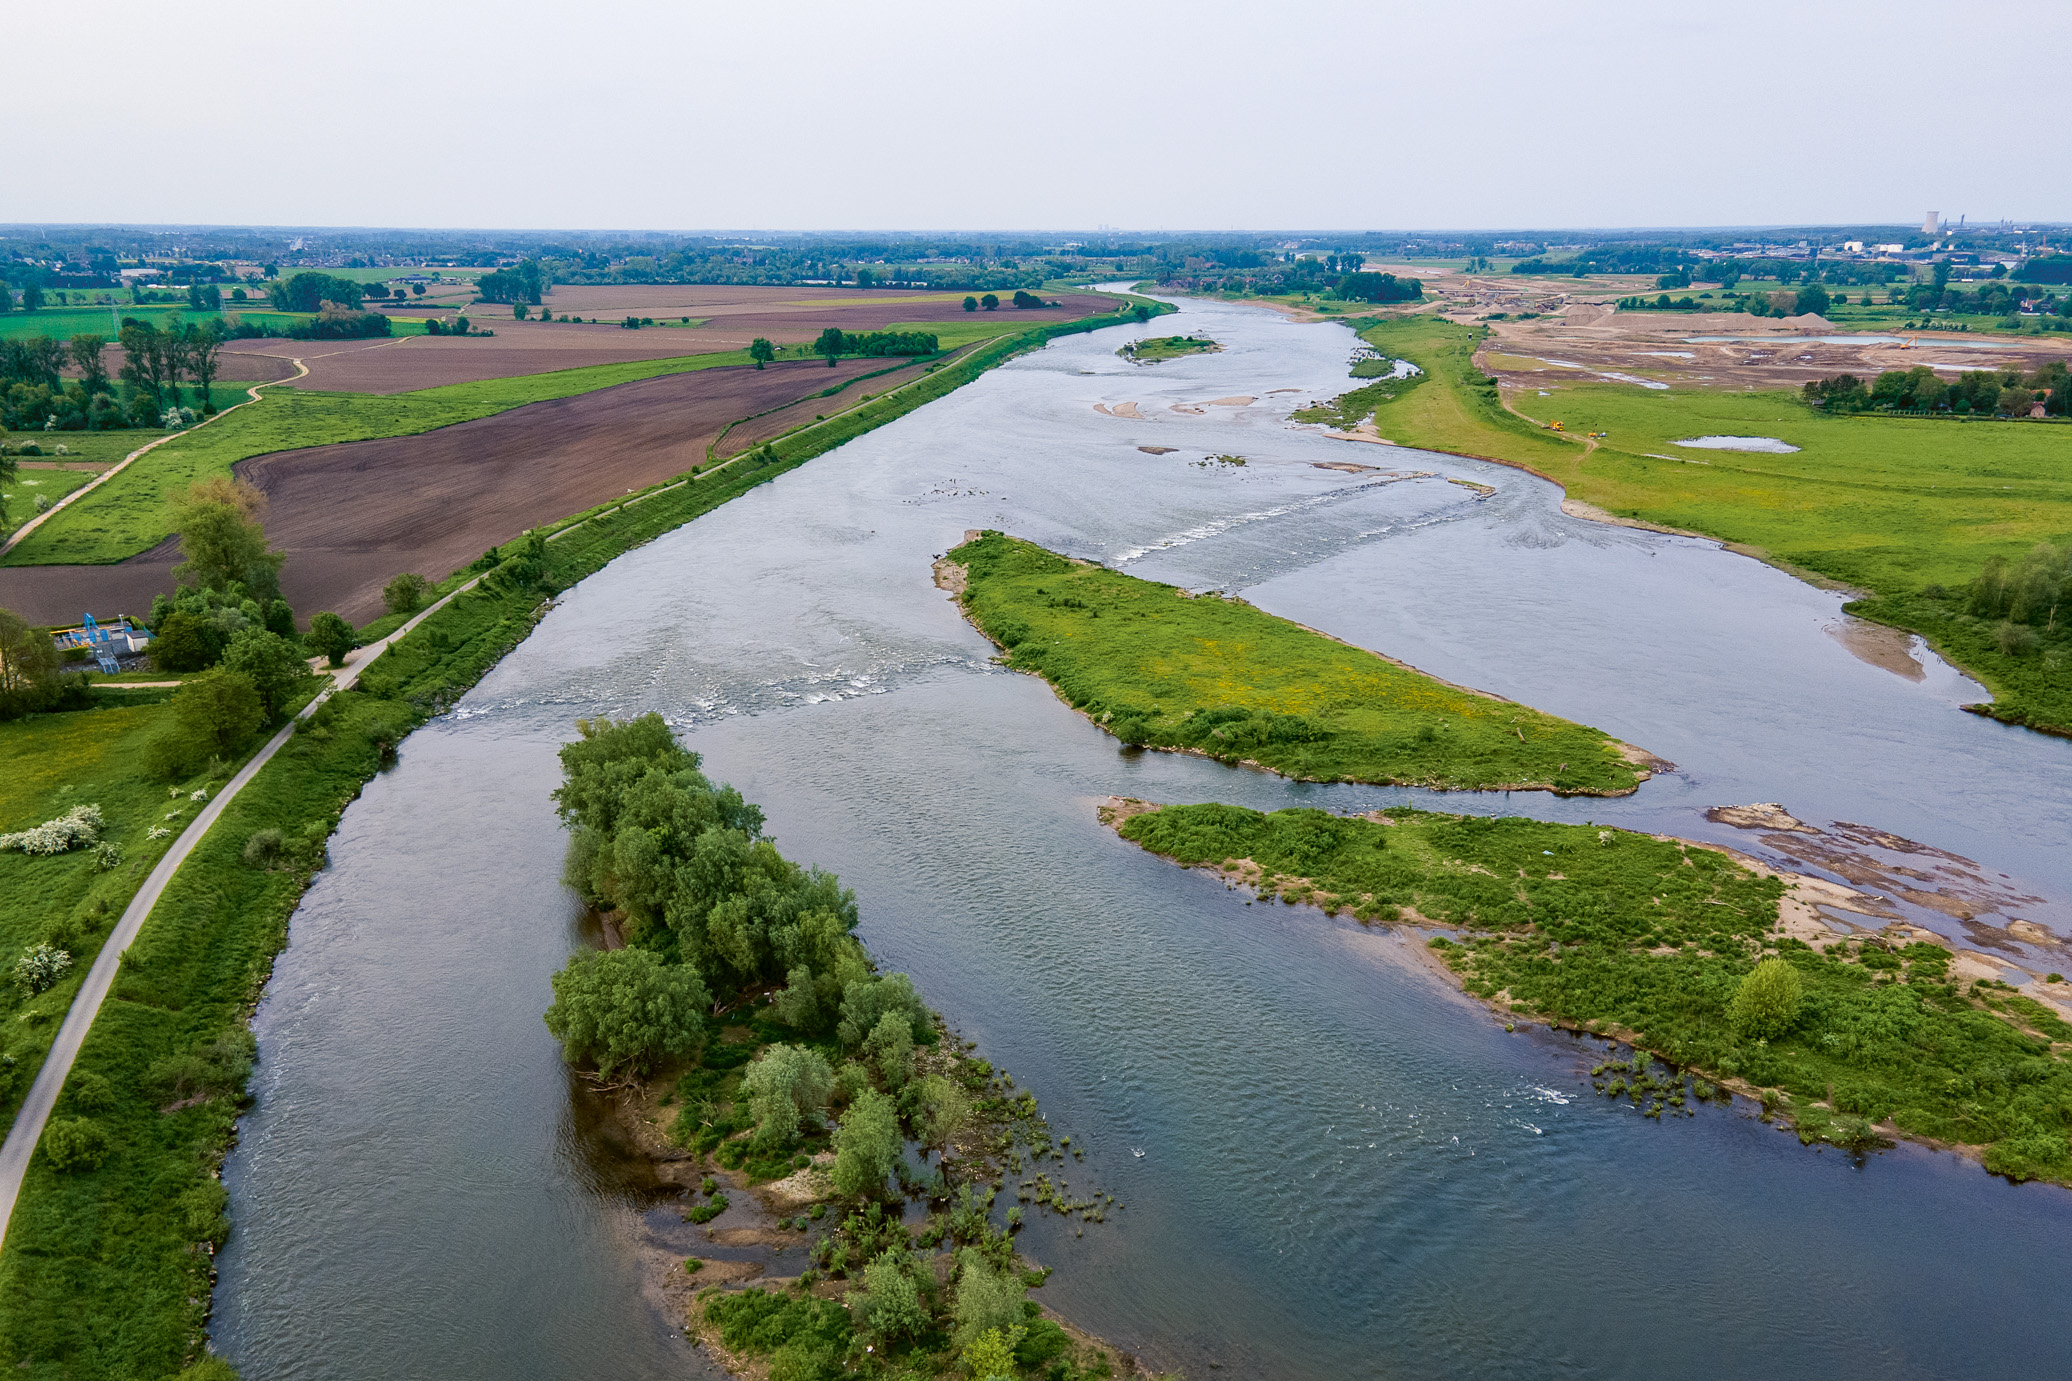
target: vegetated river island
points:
(1161, 667)
(731, 1017)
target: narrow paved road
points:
(35, 1111)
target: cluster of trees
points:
(2046, 268)
(34, 393)
(1379, 287)
(226, 628)
(32, 676)
(524, 283)
(308, 292)
(712, 912)
(834, 341)
(1978, 392)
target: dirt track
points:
(353, 515)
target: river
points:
(1347, 1169)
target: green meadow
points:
(1161, 669)
(1907, 509)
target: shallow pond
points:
(1348, 1170)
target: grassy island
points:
(784, 1061)
(1167, 348)
(1160, 668)
(1682, 950)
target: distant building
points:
(1852, 246)
(1931, 222)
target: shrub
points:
(626, 1008)
(1767, 1002)
(891, 1305)
(332, 637)
(867, 1143)
(263, 849)
(785, 1084)
(405, 593)
(89, 1092)
(75, 1143)
(988, 1301)
(76, 828)
(215, 715)
(219, 1067)
(41, 967)
(990, 1356)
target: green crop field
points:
(1160, 669)
(128, 514)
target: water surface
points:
(1348, 1169)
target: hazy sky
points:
(1035, 113)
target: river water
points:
(1346, 1168)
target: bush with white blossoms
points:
(75, 829)
(40, 968)
(200, 793)
(158, 832)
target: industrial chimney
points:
(1929, 223)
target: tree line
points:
(33, 393)
(1976, 393)
(834, 342)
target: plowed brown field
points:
(353, 515)
(733, 317)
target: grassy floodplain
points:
(105, 1271)
(1652, 941)
(1159, 668)
(1907, 509)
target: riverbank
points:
(1888, 1032)
(1160, 667)
(106, 1269)
(1876, 506)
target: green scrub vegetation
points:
(1906, 508)
(742, 983)
(1676, 948)
(1156, 348)
(1161, 669)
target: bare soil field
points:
(353, 515)
(402, 364)
(1588, 341)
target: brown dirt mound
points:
(353, 515)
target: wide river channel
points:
(1346, 1169)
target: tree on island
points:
(761, 351)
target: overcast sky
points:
(1037, 114)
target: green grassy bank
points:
(105, 1272)
(1654, 941)
(1161, 669)
(1905, 508)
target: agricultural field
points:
(427, 481)
(1160, 668)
